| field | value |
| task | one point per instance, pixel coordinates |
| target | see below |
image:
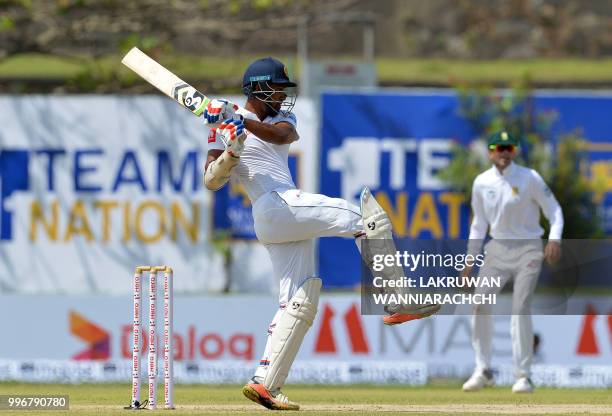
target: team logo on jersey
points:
(515, 190)
(490, 193)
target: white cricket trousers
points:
(287, 223)
(522, 263)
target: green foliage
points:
(262, 4)
(574, 190)
(221, 241)
(65, 6)
(234, 6)
(25, 4)
(6, 23)
(147, 44)
(561, 166)
(101, 76)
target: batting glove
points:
(218, 110)
(235, 134)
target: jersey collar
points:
(507, 172)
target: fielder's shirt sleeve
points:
(550, 207)
(478, 229)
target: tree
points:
(96, 28)
(561, 163)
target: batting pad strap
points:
(376, 222)
(219, 171)
(379, 241)
(290, 331)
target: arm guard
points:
(219, 170)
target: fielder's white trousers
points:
(522, 263)
(287, 223)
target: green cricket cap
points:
(502, 137)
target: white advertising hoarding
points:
(214, 330)
(92, 186)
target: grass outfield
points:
(391, 71)
(95, 399)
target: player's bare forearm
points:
(279, 133)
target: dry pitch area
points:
(96, 399)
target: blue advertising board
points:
(395, 143)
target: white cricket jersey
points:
(508, 203)
(263, 166)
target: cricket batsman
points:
(287, 220)
(506, 200)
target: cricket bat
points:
(165, 81)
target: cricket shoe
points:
(479, 380)
(271, 400)
(401, 317)
(523, 385)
